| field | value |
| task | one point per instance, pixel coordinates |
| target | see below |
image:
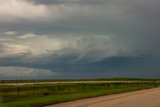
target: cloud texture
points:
(84, 38)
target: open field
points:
(73, 80)
(42, 93)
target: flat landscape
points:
(39, 93)
(79, 53)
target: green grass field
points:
(37, 95)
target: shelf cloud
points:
(84, 38)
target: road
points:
(142, 98)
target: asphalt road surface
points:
(142, 98)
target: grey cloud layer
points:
(80, 31)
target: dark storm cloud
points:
(81, 35)
(65, 2)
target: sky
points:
(72, 39)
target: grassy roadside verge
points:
(40, 95)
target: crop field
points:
(38, 94)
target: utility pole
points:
(115, 75)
